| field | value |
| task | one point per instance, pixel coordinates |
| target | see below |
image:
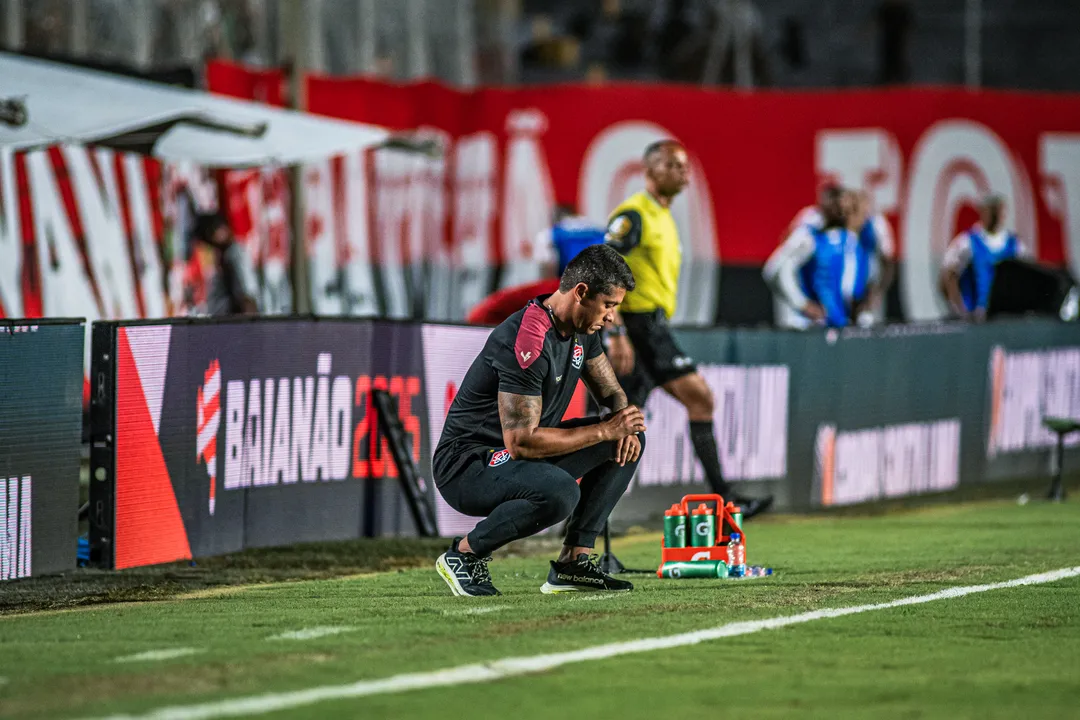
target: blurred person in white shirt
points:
(971, 260)
(874, 232)
(835, 265)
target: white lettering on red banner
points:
(1059, 162)
(97, 234)
(756, 160)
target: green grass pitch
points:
(1012, 653)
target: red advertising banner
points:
(93, 233)
(240, 81)
(83, 232)
(257, 199)
(924, 155)
(89, 232)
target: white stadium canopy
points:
(67, 104)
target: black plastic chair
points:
(1062, 427)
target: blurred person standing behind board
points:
(876, 240)
(789, 271)
(571, 233)
(642, 349)
(230, 286)
(971, 260)
(836, 264)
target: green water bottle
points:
(695, 569)
(702, 526)
(675, 527)
(736, 517)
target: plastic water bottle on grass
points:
(736, 556)
(736, 553)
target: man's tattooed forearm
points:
(600, 379)
(519, 412)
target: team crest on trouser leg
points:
(499, 457)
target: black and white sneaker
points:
(465, 573)
(581, 575)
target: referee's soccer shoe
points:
(465, 573)
(581, 575)
(753, 506)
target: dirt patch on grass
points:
(83, 692)
(89, 587)
(909, 577)
(225, 574)
(812, 594)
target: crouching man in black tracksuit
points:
(505, 453)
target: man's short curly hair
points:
(600, 267)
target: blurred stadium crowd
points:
(781, 43)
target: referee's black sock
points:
(701, 434)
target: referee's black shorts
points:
(657, 357)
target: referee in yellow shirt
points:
(644, 232)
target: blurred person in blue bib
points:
(571, 233)
(836, 265)
(971, 260)
(556, 246)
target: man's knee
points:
(568, 500)
(559, 495)
(705, 404)
(703, 396)
(694, 393)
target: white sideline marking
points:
(477, 610)
(152, 655)
(313, 632)
(513, 666)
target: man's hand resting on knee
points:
(622, 428)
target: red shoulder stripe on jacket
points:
(530, 337)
